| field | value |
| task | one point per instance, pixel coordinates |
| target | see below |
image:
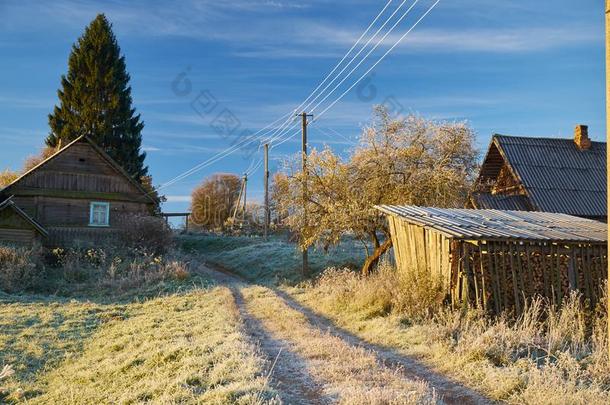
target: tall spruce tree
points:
(95, 100)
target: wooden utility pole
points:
(267, 214)
(245, 194)
(608, 132)
(304, 116)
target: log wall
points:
(58, 194)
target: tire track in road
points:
(287, 370)
(319, 367)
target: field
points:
(178, 330)
(175, 341)
(270, 262)
(560, 360)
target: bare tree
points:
(398, 161)
(213, 201)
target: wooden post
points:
(245, 194)
(304, 116)
(266, 180)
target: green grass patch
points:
(275, 261)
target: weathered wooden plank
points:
(493, 271)
(558, 288)
(514, 278)
(483, 283)
(572, 280)
(586, 271)
(529, 270)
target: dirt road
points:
(311, 361)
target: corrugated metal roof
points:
(558, 176)
(496, 224)
(501, 202)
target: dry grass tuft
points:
(71, 271)
(20, 268)
(549, 355)
(381, 293)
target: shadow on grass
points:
(450, 391)
(108, 293)
(290, 376)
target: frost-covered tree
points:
(398, 161)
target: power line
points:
(278, 133)
(364, 47)
(380, 59)
(372, 67)
(400, 19)
(220, 155)
(404, 15)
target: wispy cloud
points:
(178, 198)
(27, 102)
(297, 34)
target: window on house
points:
(99, 214)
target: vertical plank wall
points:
(500, 275)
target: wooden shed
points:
(76, 196)
(498, 259)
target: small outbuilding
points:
(498, 259)
(77, 196)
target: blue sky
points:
(513, 67)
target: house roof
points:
(9, 204)
(468, 224)
(556, 174)
(501, 202)
(100, 151)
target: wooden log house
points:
(544, 174)
(497, 260)
(77, 196)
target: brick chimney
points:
(581, 137)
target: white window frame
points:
(97, 204)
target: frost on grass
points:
(349, 374)
(270, 262)
(182, 348)
(546, 356)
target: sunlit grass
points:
(184, 347)
(560, 358)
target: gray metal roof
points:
(557, 175)
(501, 202)
(502, 225)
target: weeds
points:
(547, 355)
(381, 293)
(69, 270)
(20, 268)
